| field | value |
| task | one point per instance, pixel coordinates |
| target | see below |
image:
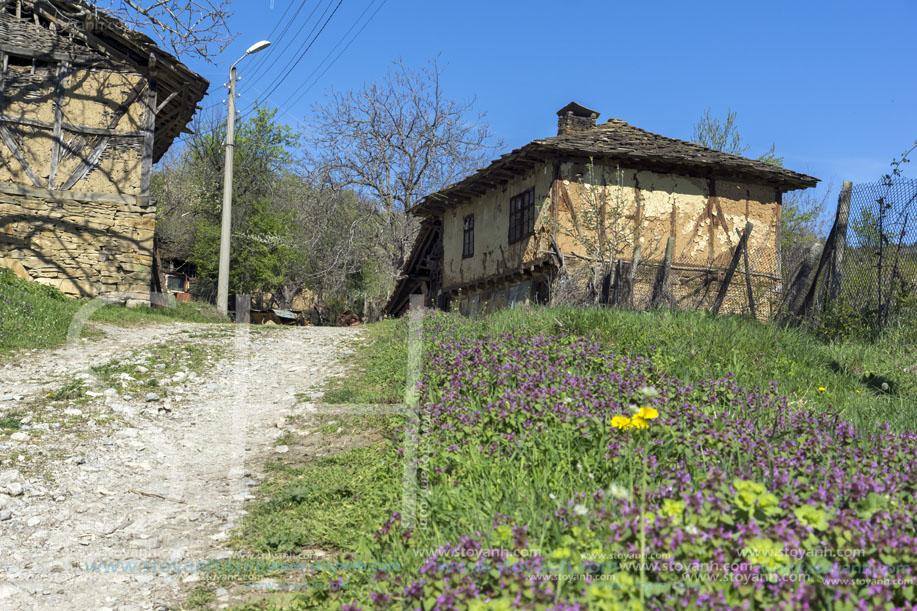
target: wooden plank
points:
(60, 82)
(56, 195)
(791, 301)
(837, 261)
(730, 271)
(149, 128)
(3, 60)
(751, 297)
(166, 101)
(10, 143)
(71, 127)
(662, 290)
(35, 54)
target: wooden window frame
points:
(468, 236)
(522, 215)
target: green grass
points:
(338, 502)
(379, 363)
(323, 505)
(37, 316)
(11, 421)
(186, 312)
(32, 315)
(693, 347)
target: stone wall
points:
(84, 247)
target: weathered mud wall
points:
(702, 214)
(89, 98)
(84, 248)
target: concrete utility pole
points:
(225, 227)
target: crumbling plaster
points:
(703, 215)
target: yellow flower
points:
(639, 423)
(822, 389)
(647, 413)
(621, 422)
(858, 390)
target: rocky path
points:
(111, 494)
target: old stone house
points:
(86, 108)
(498, 236)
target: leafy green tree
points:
(800, 212)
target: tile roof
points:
(619, 141)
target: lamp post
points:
(223, 277)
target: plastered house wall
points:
(702, 214)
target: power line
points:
(260, 61)
(303, 54)
(297, 92)
(255, 69)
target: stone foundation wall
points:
(84, 247)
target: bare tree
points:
(396, 141)
(195, 27)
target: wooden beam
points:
(10, 143)
(166, 101)
(49, 56)
(60, 81)
(3, 60)
(149, 128)
(112, 198)
(71, 127)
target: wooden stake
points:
(837, 261)
(751, 297)
(662, 290)
(730, 271)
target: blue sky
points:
(830, 83)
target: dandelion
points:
(621, 422)
(822, 389)
(639, 423)
(647, 413)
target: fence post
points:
(751, 297)
(616, 285)
(731, 270)
(661, 290)
(632, 274)
(840, 246)
(792, 297)
(243, 308)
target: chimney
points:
(574, 118)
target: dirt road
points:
(116, 485)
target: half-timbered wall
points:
(76, 154)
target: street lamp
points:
(223, 277)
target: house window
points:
(468, 237)
(522, 215)
(175, 283)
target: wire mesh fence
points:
(879, 272)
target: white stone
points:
(19, 436)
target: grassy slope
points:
(36, 316)
(695, 347)
(691, 346)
